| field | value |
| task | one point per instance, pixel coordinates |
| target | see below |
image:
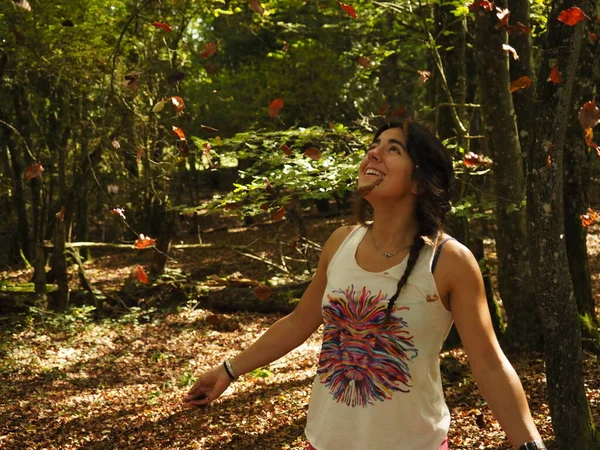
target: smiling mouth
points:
(374, 172)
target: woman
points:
(387, 297)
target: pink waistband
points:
(443, 447)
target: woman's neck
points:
(394, 228)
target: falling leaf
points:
(206, 149)
(67, 23)
(589, 218)
(279, 214)
(33, 171)
(268, 186)
(265, 206)
(485, 4)
(593, 36)
(257, 7)
(519, 28)
(286, 46)
(400, 112)
(503, 16)
(163, 26)
(182, 147)
(286, 149)
(139, 152)
(549, 148)
(349, 9)
(159, 106)
(179, 132)
(60, 216)
(143, 242)
(424, 75)
(475, 160)
(141, 275)
(571, 16)
(555, 75)
(119, 212)
(589, 115)
(384, 109)
(364, 61)
(23, 4)
(178, 104)
(131, 81)
(313, 153)
(262, 292)
(520, 83)
(275, 107)
(211, 68)
(209, 50)
(508, 48)
(115, 143)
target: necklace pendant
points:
(388, 255)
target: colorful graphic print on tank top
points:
(362, 360)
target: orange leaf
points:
(424, 75)
(163, 26)
(364, 61)
(61, 214)
(286, 149)
(178, 104)
(475, 160)
(179, 132)
(349, 9)
(589, 115)
(508, 48)
(520, 83)
(119, 212)
(139, 152)
(209, 50)
(589, 218)
(593, 36)
(279, 214)
(275, 107)
(485, 4)
(141, 275)
(257, 7)
(571, 16)
(143, 242)
(262, 292)
(33, 171)
(313, 153)
(555, 75)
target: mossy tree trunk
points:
(514, 278)
(569, 408)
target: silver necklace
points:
(385, 254)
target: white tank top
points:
(379, 387)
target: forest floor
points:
(70, 381)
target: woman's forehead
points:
(392, 133)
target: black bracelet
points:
(229, 374)
(533, 445)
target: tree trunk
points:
(571, 418)
(163, 243)
(577, 160)
(514, 279)
(59, 264)
(523, 98)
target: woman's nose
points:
(374, 154)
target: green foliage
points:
(261, 372)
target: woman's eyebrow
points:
(396, 141)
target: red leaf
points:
(485, 4)
(503, 16)
(555, 75)
(119, 212)
(520, 28)
(589, 114)
(593, 36)
(589, 218)
(163, 26)
(182, 147)
(179, 132)
(141, 275)
(286, 149)
(475, 160)
(275, 107)
(349, 9)
(178, 104)
(508, 48)
(268, 186)
(143, 242)
(209, 50)
(571, 16)
(424, 75)
(384, 109)
(520, 83)
(263, 292)
(257, 7)
(211, 68)
(313, 153)
(33, 171)
(399, 112)
(364, 61)
(279, 214)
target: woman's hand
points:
(209, 387)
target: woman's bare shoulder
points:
(336, 239)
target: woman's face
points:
(387, 159)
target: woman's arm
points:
(495, 376)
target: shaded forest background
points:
(138, 134)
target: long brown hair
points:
(434, 174)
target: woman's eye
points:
(395, 149)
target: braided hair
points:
(434, 174)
